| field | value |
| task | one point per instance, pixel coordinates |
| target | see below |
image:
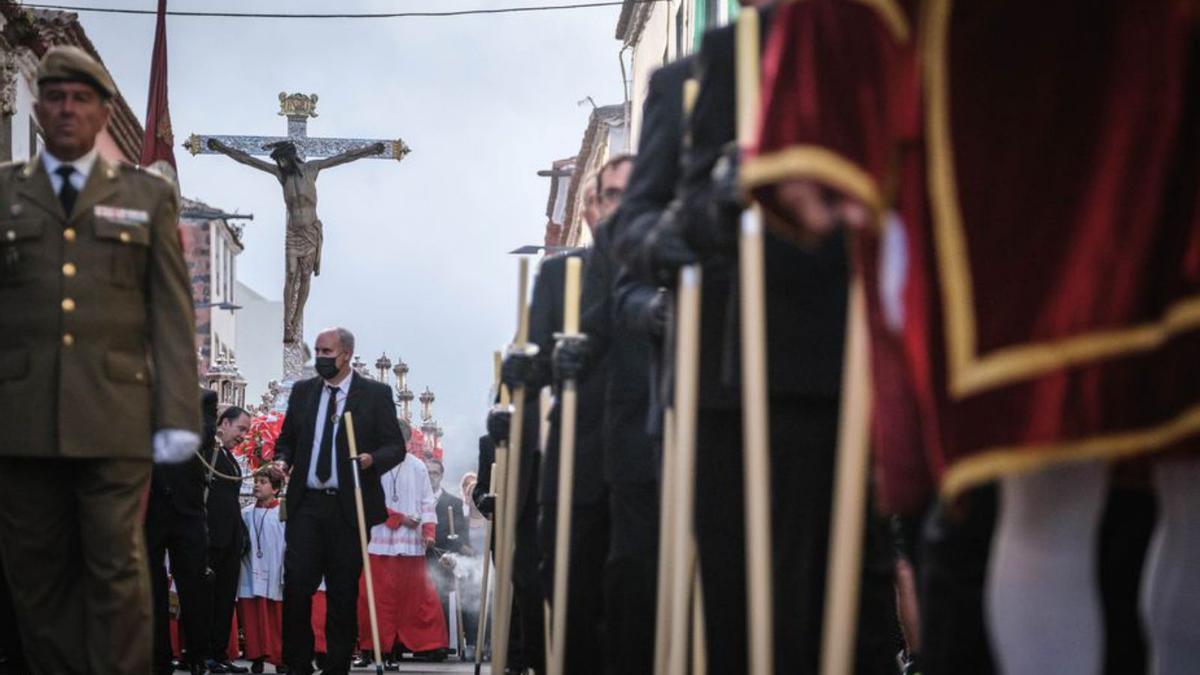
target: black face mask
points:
(326, 367)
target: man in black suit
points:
(227, 537)
(175, 525)
(449, 508)
(805, 304)
(322, 531)
(636, 312)
(485, 501)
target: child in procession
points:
(260, 586)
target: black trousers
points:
(12, 655)
(321, 543)
(185, 539)
(630, 577)
(952, 557)
(803, 439)
(585, 593)
(226, 564)
(952, 572)
(527, 596)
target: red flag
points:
(158, 141)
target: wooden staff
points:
(362, 540)
(850, 485)
(491, 531)
(500, 585)
(512, 482)
(683, 550)
(566, 477)
(699, 643)
(670, 484)
(481, 630)
(755, 406)
(666, 563)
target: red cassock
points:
(318, 622)
(1044, 161)
(262, 624)
(406, 603)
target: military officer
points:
(97, 376)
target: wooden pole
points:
(460, 632)
(513, 477)
(755, 405)
(362, 540)
(687, 372)
(566, 479)
(666, 564)
(500, 584)
(699, 643)
(481, 630)
(850, 486)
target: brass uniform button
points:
(68, 339)
(69, 234)
(68, 305)
(124, 237)
(11, 235)
(68, 270)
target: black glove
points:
(570, 358)
(522, 369)
(498, 422)
(658, 311)
(715, 228)
(486, 505)
(666, 249)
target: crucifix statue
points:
(297, 174)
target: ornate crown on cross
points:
(297, 105)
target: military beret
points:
(72, 64)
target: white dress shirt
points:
(343, 389)
(83, 168)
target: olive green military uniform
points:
(97, 352)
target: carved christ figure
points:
(304, 230)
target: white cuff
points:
(172, 446)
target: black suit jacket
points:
(180, 487)
(376, 430)
(546, 319)
(806, 290)
(449, 506)
(225, 525)
(652, 187)
(483, 473)
(628, 450)
(656, 169)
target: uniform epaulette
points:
(151, 170)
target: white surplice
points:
(407, 490)
(262, 576)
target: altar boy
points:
(260, 586)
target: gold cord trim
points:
(814, 162)
(994, 463)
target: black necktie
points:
(325, 451)
(67, 193)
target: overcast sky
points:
(414, 259)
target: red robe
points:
(406, 603)
(1044, 159)
(262, 624)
